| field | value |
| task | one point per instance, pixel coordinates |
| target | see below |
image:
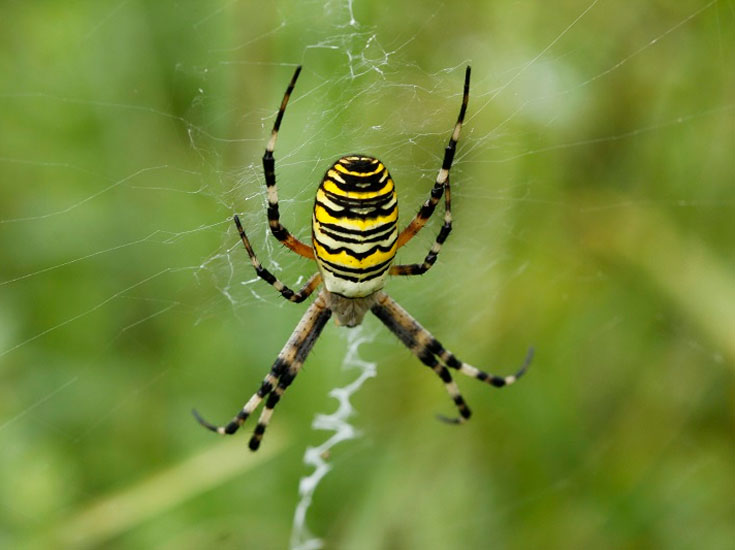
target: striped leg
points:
(442, 178)
(265, 416)
(451, 360)
(269, 167)
(266, 387)
(427, 349)
(282, 372)
(298, 297)
(417, 339)
(294, 354)
(420, 269)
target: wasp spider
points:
(354, 239)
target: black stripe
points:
(362, 184)
(360, 232)
(445, 376)
(354, 253)
(357, 270)
(269, 168)
(286, 96)
(449, 154)
(264, 274)
(308, 343)
(426, 210)
(444, 233)
(359, 163)
(343, 239)
(359, 279)
(455, 363)
(265, 388)
(349, 202)
(426, 357)
(279, 232)
(351, 215)
(403, 333)
(279, 365)
(273, 214)
(288, 377)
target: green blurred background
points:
(594, 199)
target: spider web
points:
(111, 250)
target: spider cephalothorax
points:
(354, 241)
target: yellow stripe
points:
(335, 176)
(342, 258)
(344, 170)
(358, 157)
(334, 188)
(322, 216)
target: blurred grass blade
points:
(114, 514)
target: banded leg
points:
(282, 372)
(442, 178)
(300, 344)
(297, 297)
(269, 168)
(424, 345)
(414, 337)
(430, 259)
(270, 404)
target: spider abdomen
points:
(354, 226)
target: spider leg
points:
(442, 178)
(282, 373)
(298, 297)
(427, 348)
(269, 168)
(452, 361)
(430, 259)
(275, 396)
(417, 339)
(299, 345)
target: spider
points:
(354, 240)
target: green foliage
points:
(593, 199)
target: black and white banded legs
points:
(430, 259)
(442, 179)
(269, 168)
(430, 352)
(348, 298)
(284, 370)
(271, 279)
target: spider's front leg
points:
(269, 169)
(442, 181)
(284, 370)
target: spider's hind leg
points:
(284, 370)
(420, 342)
(430, 352)
(239, 419)
(293, 355)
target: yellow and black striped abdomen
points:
(354, 226)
